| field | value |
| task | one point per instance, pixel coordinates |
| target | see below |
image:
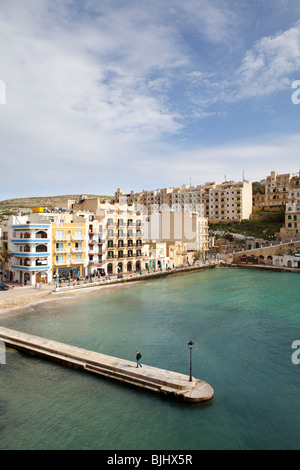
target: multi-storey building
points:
(123, 228)
(96, 247)
(46, 246)
(294, 189)
(277, 188)
(228, 201)
(29, 241)
(186, 227)
(291, 226)
(69, 247)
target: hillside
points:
(263, 224)
(12, 206)
(43, 201)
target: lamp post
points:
(190, 345)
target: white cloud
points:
(268, 66)
(256, 158)
(102, 86)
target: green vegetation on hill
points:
(264, 225)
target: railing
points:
(62, 250)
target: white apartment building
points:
(230, 201)
(227, 201)
(30, 242)
(122, 236)
(173, 226)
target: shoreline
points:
(14, 301)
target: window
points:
(59, 246)
(59, 234)
(59, 258)
(78, 257)
(78, 233)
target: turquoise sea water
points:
(243, 324)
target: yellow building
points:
(69, 249)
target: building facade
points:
(277, 189)
(122, 238)
(228, 201)
(29, 241)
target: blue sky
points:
(143, 95)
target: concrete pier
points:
(151, 378)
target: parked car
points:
(3, 286)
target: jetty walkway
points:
(157, 380)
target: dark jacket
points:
(138, 356)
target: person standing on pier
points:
(138, 359)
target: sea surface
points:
(243, 323)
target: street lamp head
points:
(190, 344)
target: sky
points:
(97, 95)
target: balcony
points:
(61, 263)
(62, 250)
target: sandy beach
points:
(21, 296)
(13, 301)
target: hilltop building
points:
(291, 227)
(228, 201)
(277, 189)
